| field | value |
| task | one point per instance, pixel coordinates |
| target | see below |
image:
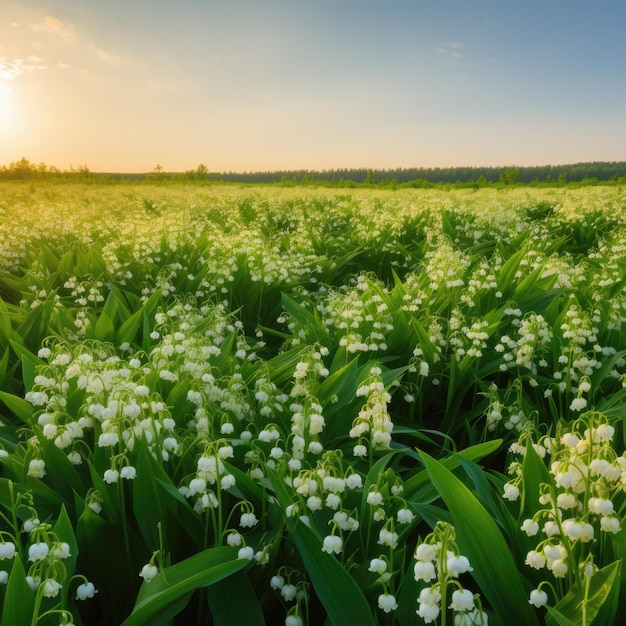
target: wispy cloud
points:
(104, 55)
(11, 69)
(56, 42)
(51, 24)
(451, 49)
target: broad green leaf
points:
(36, 325)
(147, 505)
(473, 453)
(490, 498)
(65, 532)
(534, 474)
(249, 488)
(6, 328)
(559, 618)
(109, 309)
(338, 389)
(18, 406)
(581, 611)
(180, 507)
(48, 258)
(104, 329)
(284, 364)
(233, 601)
(180, 580)
(30, 362)
(129, 329)
(424, 341)
(111, 567)
(19, 601)
(480, 539)
(4, 366)
(506, 275)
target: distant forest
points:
(597, 172)
(419, 176)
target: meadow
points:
(235, 404)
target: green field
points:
(253, 405)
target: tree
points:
(509, 177)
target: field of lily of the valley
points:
(226, 405)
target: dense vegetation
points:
(281, 405)
(474, 177)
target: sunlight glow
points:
(6, 108)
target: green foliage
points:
(263, 400)
(482, 541)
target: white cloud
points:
(103, 55)
(51, 24)
(11, 69)
(451, 49)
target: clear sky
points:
(241, 85)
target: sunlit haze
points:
(244, 85)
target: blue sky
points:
(286, 84)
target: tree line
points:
(544, 175)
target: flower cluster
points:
(359, 317)
(438, 561)
(373, 425)
(44, 554)
(580, 502)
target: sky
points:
(257, 85)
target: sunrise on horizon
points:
(245, 85)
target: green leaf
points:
(474, 453)
(30, 362)
(559, 618)
(480, 539)
(4, 367)
(582, 611)
(284, 364)
(18, 406)
(147, 505)
(337, 590)
(65, 532)
(424, 342)
(157, 597)
(6, 328)
(179, 506)
(19, 601)
(506, 275)
(36, 325)
(233, 601)
(128, 330)
(338, 389)
(111, 568)
(534, 474)
(104, 329)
